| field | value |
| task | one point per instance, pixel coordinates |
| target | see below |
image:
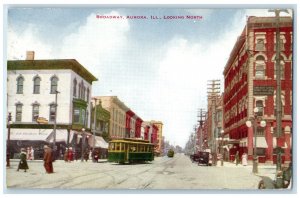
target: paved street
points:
(163, 173)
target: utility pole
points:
(201, 117)
(213, 90)
(278, 87)
(95, 124)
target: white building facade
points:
(32, 87)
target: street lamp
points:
(250, 123)
(82, 143)
(54, 125)
(222, 148)
(95, 124)
(9, 122)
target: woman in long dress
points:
(23, 162)
(244, 159)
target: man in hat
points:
(48, 159)
(23, 162)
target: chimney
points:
(30, 55)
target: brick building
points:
(250, 81)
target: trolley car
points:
(130, 151)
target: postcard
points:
(149, 98)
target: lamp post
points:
(54, 125)
(9, 122)
(250, 123)
(95, 124)
(82, 143)
(222, 148)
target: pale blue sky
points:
(158, 68)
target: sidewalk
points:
(264, 170)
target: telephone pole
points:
(213, 90)
(201, 116)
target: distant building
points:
(31, 90)
(159, 126)
(117, 110)
(250, 81)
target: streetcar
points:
(128, 150)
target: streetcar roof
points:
(128, 140)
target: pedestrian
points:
(86, 155)
(31, 153)
(70, 155)
(244, 159)
(90, 155)
(96, 156)
(48, 159)
(237, 160)
(23, 162)
(66, 155)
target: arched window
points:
(260, 67)
(54, 81)
(36, 85)
(35, 111)
(74, 87)
(20, 81)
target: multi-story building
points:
(101, 128)
(250, 81)
(34, 87)
(133, 125)
(159, 126)
(117, 110)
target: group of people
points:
(244, 159)
(48, 159)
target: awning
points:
(29, 134)
(61, 136)
(99, 142)
(261, 142)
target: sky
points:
(159, 68)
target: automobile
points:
(170, 153)
(204, 158)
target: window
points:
(260, 45)
(260, 67)
(260, 132)
(52, 113)
(36, 85)
(76, 115)
(35, 112)
(19, 112)
(20, 81)
(54, 81)
(74, 87)
(260, 106)
(83, 95)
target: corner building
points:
(250, 81)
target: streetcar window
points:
(122, 146)
(111, 146)
(117, 146)
(132, 148)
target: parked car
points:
(205, 158)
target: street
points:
(163, 173)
